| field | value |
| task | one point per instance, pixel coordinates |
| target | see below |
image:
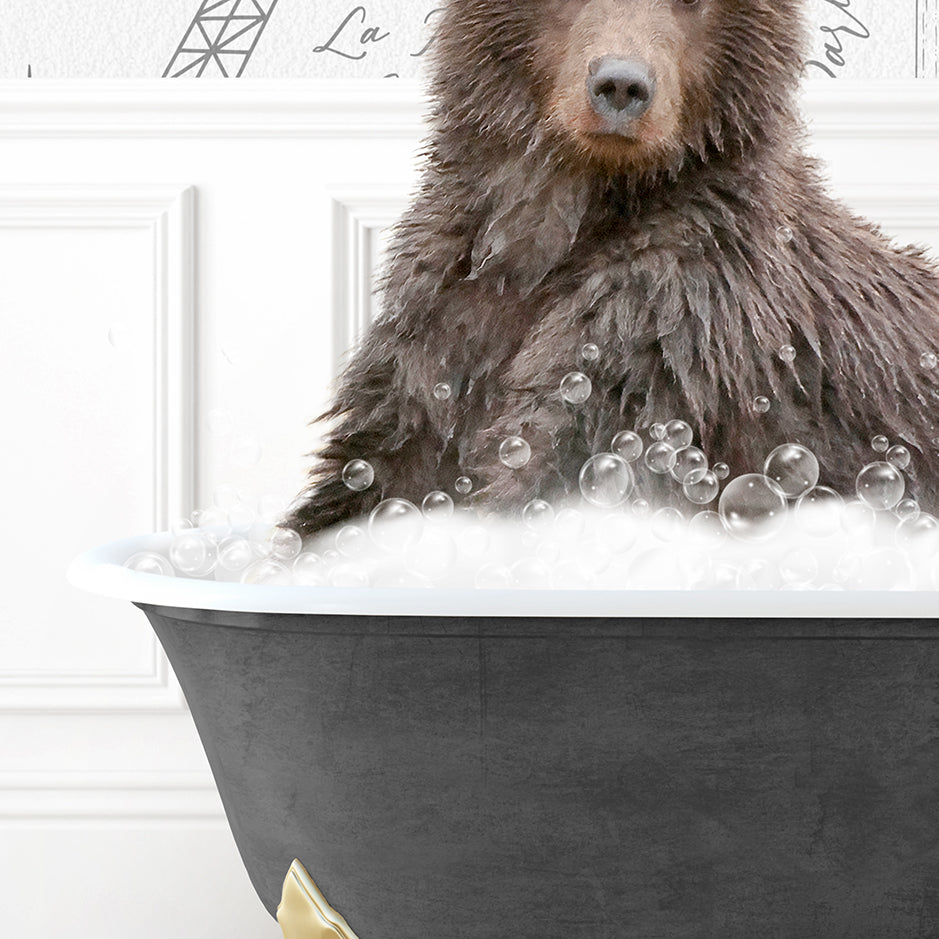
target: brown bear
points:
(629, 175)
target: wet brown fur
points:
(531, 236)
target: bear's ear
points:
(531, 224)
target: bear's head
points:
(620, 85)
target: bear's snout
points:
(620, 90)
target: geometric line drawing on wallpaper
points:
(927, 39)
(221, 38)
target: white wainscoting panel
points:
(362, 218)
(79, 266)
(183, 269)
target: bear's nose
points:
(620, 90)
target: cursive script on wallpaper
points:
(848, 29)
(355, 33)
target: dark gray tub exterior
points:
(448, 777)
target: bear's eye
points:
(688, 3)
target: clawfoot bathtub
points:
(565, 765)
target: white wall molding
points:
(166, 213)
(212, 108)
(872, 109)
(896, 205)
(360, 213)
(31, 799)
(366, 108)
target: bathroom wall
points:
(181, 269)
(371, 39)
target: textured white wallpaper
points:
(374, 38)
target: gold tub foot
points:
(304, 913)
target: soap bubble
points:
(235, 554)
(514, 452)
(226, 497)
(181, 524)
(721, 470)
(787, 353)
(656, 569)
(880, 443)
(576, 387)
(678, 435)
(570, 574)
(628, 445)
(246, 450)
(401, 580)
(759, 574)
(640, 508)
(309, 569)
(241, 517)
(818, 511)
(348, 576)
(592, 556)
(707, 529)
(538, 514)
(192, 553)
(907, 508)
(899, 456)
(919, 534)
(433, 555)
(880, 485)
(267, 571)
(590, 352)
(569, 524)
(617, 531)
(463, 485)
(657, 432)
(214, 524)
(442, 391)
(719, 575)
(928, 360)
(688, 460)
(437, 505)
(149, 562)
(761, 404)
(879, 569)
(798, 566)
(493, 577)
(793, 468)
(785, 234)
(606, 480)
(858, 518)
(668, 524)
(358, 475)
(285, 543)
(474, 542)
(350, 541)
(395, 524)
(530, 573)
(752, 507)
(547, 551)
(701, 486)
(660, 457)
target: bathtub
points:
(565, 765)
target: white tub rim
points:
(100, 570)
